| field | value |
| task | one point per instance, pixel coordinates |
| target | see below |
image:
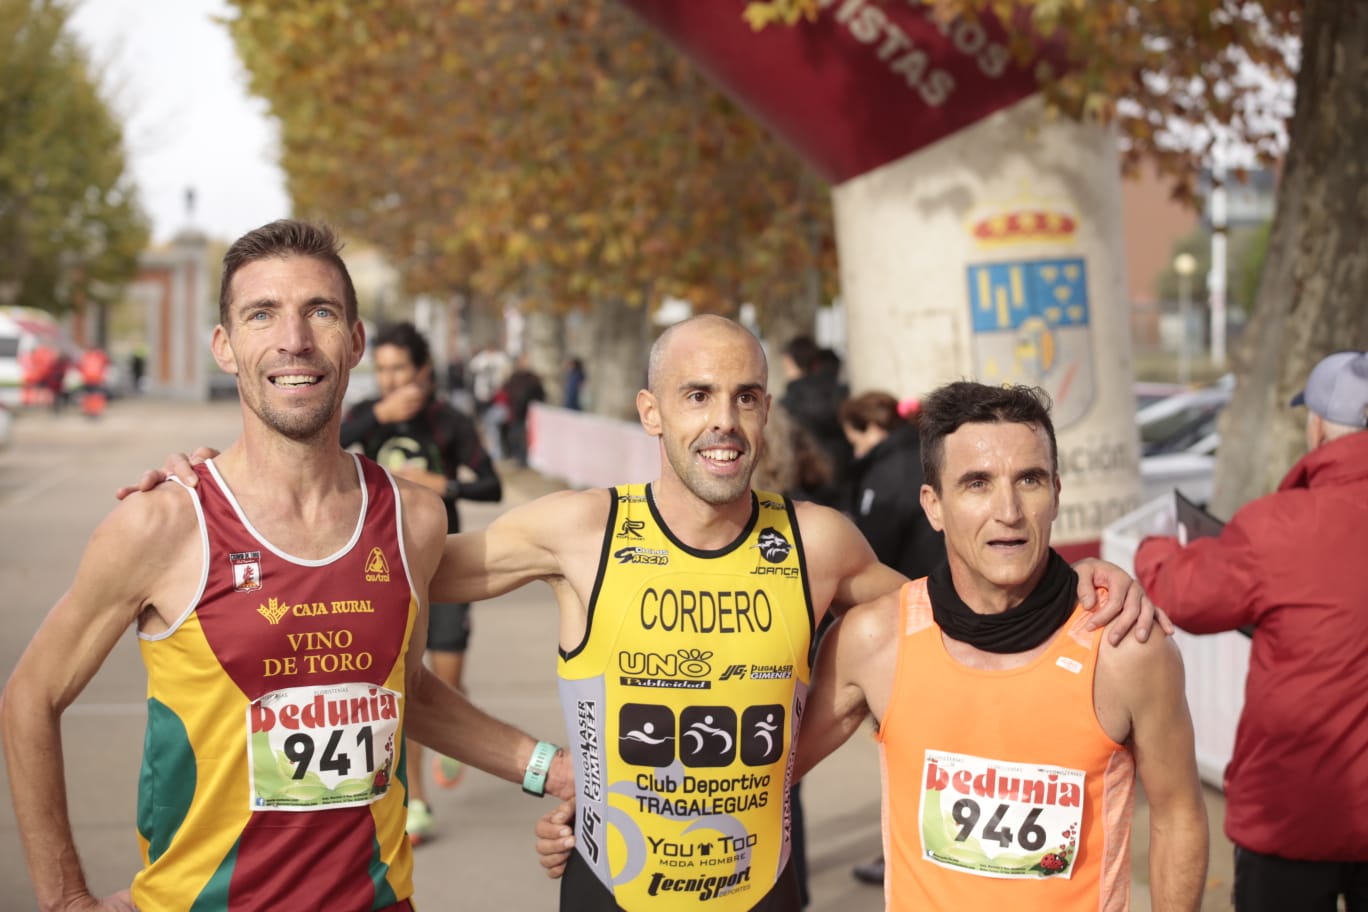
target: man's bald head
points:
(702, 328)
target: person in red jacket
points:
(1291, 564)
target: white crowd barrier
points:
(1215, 664)
(590, 451)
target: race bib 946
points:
(995, 818)
(310, 748)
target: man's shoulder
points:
(573, 513)
(1132, 666)
(152, 518)
(872, 627)
(423, 505)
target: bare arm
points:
(1149, 678)
(841, 565)
(836, 703)
(527, 543)
(438, 715)
(113, 586)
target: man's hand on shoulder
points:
(1126, 607)
(177, 465)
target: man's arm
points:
(837, 553)
(1213, 584)
(438, 715)
(110, 591)
(852, 649)
(842, 567)
(442, 718)
(1148, 679)
(463, 448)
(527, 543)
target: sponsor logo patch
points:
(631, 529)
(246, 570)
(634, 554)
(273, 611)
(377, 568)
(773, 546)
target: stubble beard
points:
(710, 489)
(300, 424)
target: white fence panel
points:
(590, 451)
(1215, 664)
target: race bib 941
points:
(995, 818)
(310, 748)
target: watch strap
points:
(534, 778)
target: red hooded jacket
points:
(1295, 564)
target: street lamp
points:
(1185, 264)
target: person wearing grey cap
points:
(1292, 565)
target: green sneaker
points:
(447, 772)
(419, 824)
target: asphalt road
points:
(57, 481)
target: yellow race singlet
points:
(682, 705)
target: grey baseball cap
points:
(1337, 389)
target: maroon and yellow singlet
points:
(272, 772)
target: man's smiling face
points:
(289, 343)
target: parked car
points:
(1183, 422)
(1178, 441)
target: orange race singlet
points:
(1001, 789)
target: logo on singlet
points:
(635, 554)
(771, 505)
(706, 736)
(246, 570)
(631, 528)
(773, 546)
(646, 734)
(273, 611)
(377, 568)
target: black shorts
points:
(448, 627)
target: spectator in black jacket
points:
(886, 480)
(416, 435)
(523, 387)
(813, 395)
(885, 485)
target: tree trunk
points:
(616, 365)
(544, 345)
(1313, 298)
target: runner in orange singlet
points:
(1010, 736)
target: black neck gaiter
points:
(1017, 629)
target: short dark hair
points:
(282, 238)
(406, 336)
(875, 407)
(966, 402)
(803, 351)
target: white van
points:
(22, 329)
(11, 375)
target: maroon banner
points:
(868, 82)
